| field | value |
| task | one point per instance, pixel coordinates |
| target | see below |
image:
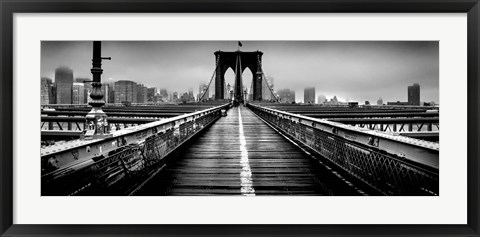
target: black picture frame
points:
(9, 7)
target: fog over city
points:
(352, 71)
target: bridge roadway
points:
(241, 155)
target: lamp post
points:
(96, 119)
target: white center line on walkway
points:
(246, 174)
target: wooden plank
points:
(212, 164)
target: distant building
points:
(46, 91)
(286, 95)
(141, 93)
(109, 96)
(87, 90)
(367, 102)
(159, 99)
(175, 97)
(380, 101)
(64, 85)
(191, 97)
(53, 94)
(352, 104)
(164, 95)
(414, 94)
(431, 103)
(87, 87)
(125, 91)
(203, 89)
(107, 90)
(321, 99)
(228, 92)
(309, 95)
(398, 103)
(334, 99)
(78, 93)
(151, 92)
(185, 97)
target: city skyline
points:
(359, 71)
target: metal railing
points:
(119, 164)
(393, 165)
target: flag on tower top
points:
(239, 44)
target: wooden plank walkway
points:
(241, 155)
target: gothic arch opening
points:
(229, 82)
(247, 77)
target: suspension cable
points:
(235, 79)
(211, 79)
(251, 89)
(265, 79)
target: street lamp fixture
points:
(96, 119)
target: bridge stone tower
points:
(238, 61)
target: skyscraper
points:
(191, 97)
(64, 85)
(109, 94)
(309, 95)
(52, 93)
(107, 91)
(414, 94)
(78, 93)
(125, 91)
(87, 88)
(46, 93)
(141, 93)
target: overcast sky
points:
(351, 70)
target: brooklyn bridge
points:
(237, 145)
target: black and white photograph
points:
(239, 118)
